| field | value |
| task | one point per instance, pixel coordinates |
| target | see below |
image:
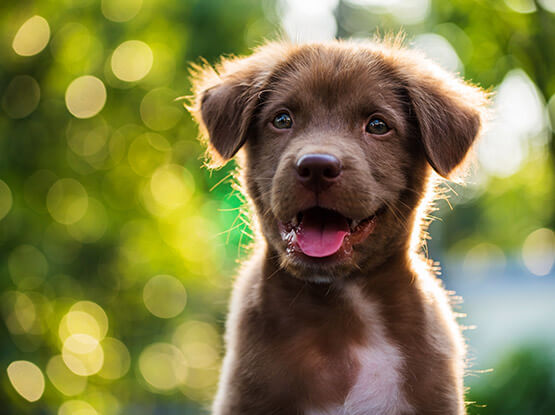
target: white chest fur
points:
(378, 386)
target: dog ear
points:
(225, 99)
(450, 114)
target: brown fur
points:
(294, 324)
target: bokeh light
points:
(481, 258)
(92, 225)
(27, 266)
(76, 48)
(27, 379)
(404, 12)
(64, 379)
(196, 331)
(26, 315)
(164, 296)
(78, 322)
(163, 67)
(147, 152)
(19, 311)
(117, 360)
(439, 49)
(85, 96)
(163, 366)
(22, 96)
(67, 201)
(32, 37)
(518, 123)
(548, 5)
(6, 199)
(83, 354)
(172, 186)
(87, 137)
(310, 20)
(58, 244)
(77, 407)
(120, 10)
(521, 6)
(159, 111)
(132, 60)
(538, 251)
(35, 189)
(84, 317)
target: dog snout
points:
(318, 171)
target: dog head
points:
(339, 140)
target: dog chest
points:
(377, 388)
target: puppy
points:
(335, 312)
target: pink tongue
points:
(321, 232)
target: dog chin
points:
(317, 270)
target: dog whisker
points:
(222, 180)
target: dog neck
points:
(393, 269)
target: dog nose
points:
(317, 172)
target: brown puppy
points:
(335, 313)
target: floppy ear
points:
(225, 99)
(450, 114)
(226, 111)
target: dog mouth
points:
(319, 232)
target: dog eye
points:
(377, 126)
(282, 121)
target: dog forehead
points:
(327, 76)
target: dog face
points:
(339, 140)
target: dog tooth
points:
(294, 222)
(293, 237)
(354, 223)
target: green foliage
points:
(94, 207)
(521, 384)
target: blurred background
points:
(116, 244)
